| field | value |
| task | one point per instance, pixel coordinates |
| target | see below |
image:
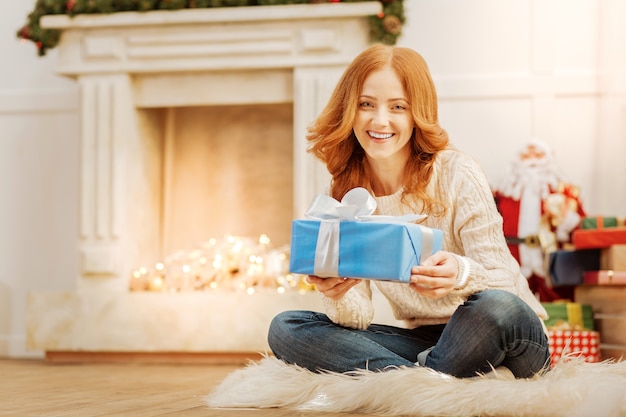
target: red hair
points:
(334, 143)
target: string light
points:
(234, 264)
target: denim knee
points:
(281, 328)
(502, 308)
(277, 327)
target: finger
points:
(424, 278)
(432, 293)
(314, 280)
(351, 282)
(439, 270)
(422, 289)
(345, 284)
(425, 272)
(330, 281)
(321, 284)
(436, 258)
(429, 282)
(340, 288)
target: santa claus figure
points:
(540, 210)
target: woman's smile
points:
(379, 136)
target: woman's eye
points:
(365, 104)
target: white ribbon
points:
(357, 205)
(427, 243)
(326, 262)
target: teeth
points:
(380, 135)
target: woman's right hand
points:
(333, 288)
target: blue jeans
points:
(492, 328)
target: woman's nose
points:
(381, 117)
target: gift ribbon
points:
(356, 205)
(575, 314)
(326, 262)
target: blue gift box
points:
(567, 267)
(372, 250)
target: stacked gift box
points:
(604, 287)
(608, 236)
(598, 256)
(567, 267)
(599, 232)
(571, 332)
(612, 269)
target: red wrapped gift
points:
(574, 343)
(598, 238)
(604, 277)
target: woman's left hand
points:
(436, 276)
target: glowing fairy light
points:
(234, 263)
(264, 240)
(217, 261)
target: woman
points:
(467, 309)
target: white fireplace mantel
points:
(127, 62)
(254, 37)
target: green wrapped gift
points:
(600, 222)
(575, 316)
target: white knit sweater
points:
(472, 227)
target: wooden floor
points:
(30, 388)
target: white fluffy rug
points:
(573, 389)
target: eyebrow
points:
(391, 99)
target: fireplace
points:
(192, 126)
(131, 65)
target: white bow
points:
(356, 205)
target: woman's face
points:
(384, 124)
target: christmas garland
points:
(385, 27)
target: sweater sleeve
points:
(476, 231)
(355, 309)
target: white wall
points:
(505, 70)
(38, 178)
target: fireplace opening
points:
(227, 170)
